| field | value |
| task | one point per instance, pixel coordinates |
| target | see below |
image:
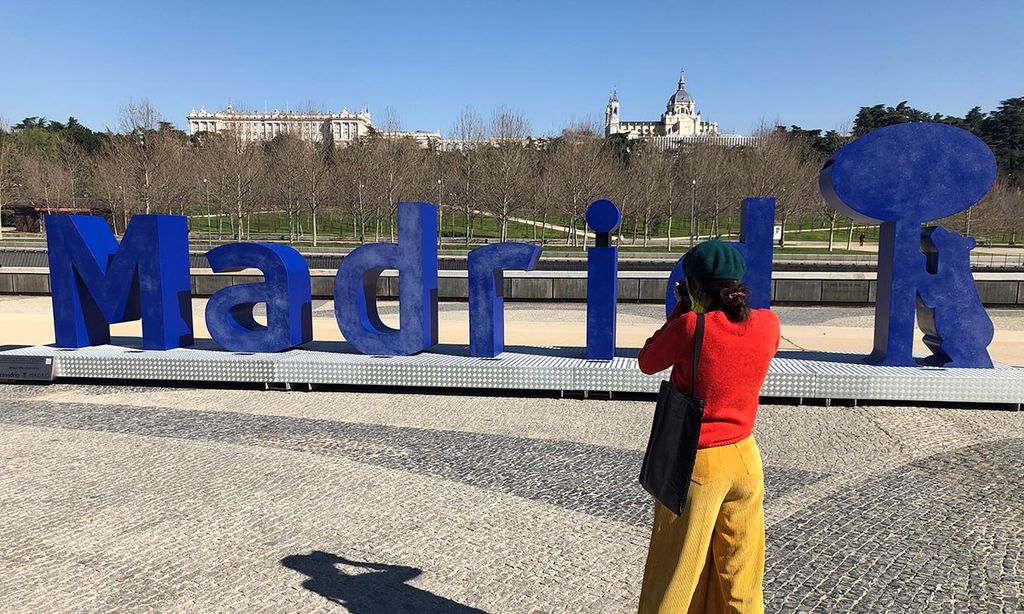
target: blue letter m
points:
(95, 282)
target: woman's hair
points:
(729, 295)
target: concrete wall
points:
(788, 287)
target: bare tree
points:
(285, 160)
(319, 164)
(545, 193)
(438, 168)
(1008, 203)
(175, 182)
(237, 167)
(393, 157)
(507, 163)
(707, 179)
(73, 162)
(44, 177)
(428, 176)
(356, 194)
(469, 136)
(139, 116)
(112, 179)
(8, 165)
(153, 151)
(649, 174)
(775, 166)
(393, 167)
(624, 191)
(998, 213)
(210, 171)
(580, 163)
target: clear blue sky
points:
(811, 63)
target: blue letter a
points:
(284, 292)
(355, 287)
(95, 282)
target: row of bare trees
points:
(491, 169)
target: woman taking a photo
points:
(711, 557)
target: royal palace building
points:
(344, 127)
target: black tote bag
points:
(672, 448)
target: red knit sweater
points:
(733, 365)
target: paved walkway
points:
(127, 499)
(134, 499)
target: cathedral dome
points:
(681, 96)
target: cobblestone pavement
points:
(136, 499)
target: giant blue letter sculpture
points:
(285, 292)
(415, 258)
(948, 257)
(95, 282)
(757, 219)
(603, 217)
(902, 176)
(487, 293)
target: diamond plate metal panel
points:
(795, 375)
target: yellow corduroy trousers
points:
(711, 558)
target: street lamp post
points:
(362, 220)
(782, 236)
(17, 188)
(693, 210)
(124, 208)
(142, 145)
(209, 230)
(455, 197)
(440, 212)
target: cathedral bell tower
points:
(611, 115)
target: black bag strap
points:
(698, 345)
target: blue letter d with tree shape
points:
(902, 176)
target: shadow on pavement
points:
(380, 590)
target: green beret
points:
(714, 260)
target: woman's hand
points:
(681, 295)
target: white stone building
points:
(680, 119)
(345, 126)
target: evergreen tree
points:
(1003, 131)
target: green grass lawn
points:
(842, 234)
(334, 229)
(333, 226)
(837, 249)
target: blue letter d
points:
(415, 258)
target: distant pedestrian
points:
(711, 557)
(862, 239)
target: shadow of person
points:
(380, 590)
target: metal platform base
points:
(795, 375)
